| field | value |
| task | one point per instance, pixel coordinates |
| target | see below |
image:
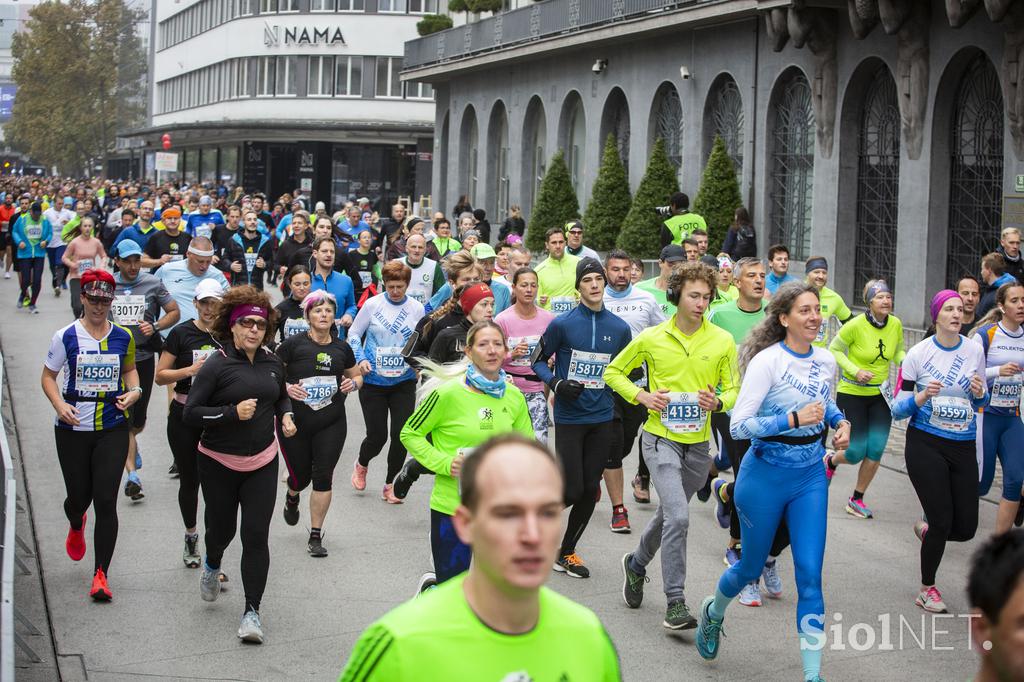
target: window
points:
(350, 5)
(268, 6)
(321, 5)
(287, 5)
(422, 6)
(388, 83)
(349, 79)
(320, 77)
(241, 81)
(287, 67)
(265, 76)
(398, 6)
(419, 91)
(246, 7)
(792, 167)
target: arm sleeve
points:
(840, 348)
(284, 403)
(197, 412)
(728, 379)
(358, 328)
(414, 435)
(439, 279)
(655, 315)
(666, 237)
(616, 374)
(350, 298)
(550, 342)
(980, 370)
(903, 404)
(374, 658)
(901, 349)
(440, 296)
(47, 231)
(745, 423)
(843, 312)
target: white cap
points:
(320, 207)
(209, 288)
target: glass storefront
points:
(380, 173)
(208, 165)
(229, 164)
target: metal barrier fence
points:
(7, 552)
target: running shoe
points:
(772, 581)
(25, 301)
(642, 489)
(620, 520)
(709, 632)
(921, 529)
(632, 584)
(405, 478)
(190, 555)
(56, 291)
(75, 543)
(572, 565)
(133, 487)
(21, 304)
(32, 309)
(704, 494)
(388, 495)
(7, 275)
(930, 600)
(251, 629)
(290, 511)
(678, 617)
(173, 471)
(209, 583)
(315, 546)
(829, 469)
(359, 476)
(721, 509)
(750, 595)
(100, 591)
(733, 555)
(428, 581)
(858, 508)
(816, 678)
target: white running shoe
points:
(750, 595)
(251, 629)
(930, 600)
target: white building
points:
(283, 94)
(12, 19)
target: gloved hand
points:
(568, 389)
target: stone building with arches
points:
(885, 135)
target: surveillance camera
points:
(684, 73)
(599, 65)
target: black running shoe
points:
(291, 511)
(704, 494)
(405, 478)
(632, 584)
(678, 617)
(316, 547)
(173, 471)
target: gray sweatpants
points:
(678, 470)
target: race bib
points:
(389, 362)
(951, 413)
(97, 372)
(34, 232)
(820, 338)
(531, 344)
(887, 394)
(128, 311)
(1006, 392)
(588, 368)
(320, 391)
(683, 414)
(366, 278)
(295, 326)
(85, 264)
(562, 304)
(204, 230)
(250, 261)
(176, 257)
(417, 295)
(198, 355)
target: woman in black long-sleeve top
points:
(236, 398)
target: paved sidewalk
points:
(157, 626)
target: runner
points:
(462, 270)
(427, 276)
(639, 310)
(167, 245)
(969, 289)
(30, 235)
(443, 240)
(58, 215)
(574, 241)
(832, 304)
(202, 222)
(85, 252)
(943, 384)
(291, 319)
(298, 238)
(137, 305)
(249, 253)
(7, 214)
(523, 324)
(726, 290)
(321, 370)
(995, 591)
(141, 230)
(783, 405)
(1002, 432)
(778, 264)
(486, 257)
(864, 348)
(182, 277)
(994, 274)
(326, 278)
(686, 358)
(377, 336)
(557, 275)
(463, 405)
(187, 348)
(583, 341)
(98, 388)
(670, 256)
(240, 388)
(700, 235)
(366, 263)
(477, 303)
(499, 619)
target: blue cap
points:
(68, 201)
(128, 248)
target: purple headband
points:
(939, 299)
(240, 311)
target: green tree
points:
(556, 203)
(432, 23)
(641, 230)
(718, 196)
(80, 71)
(609, 201)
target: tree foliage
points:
(609, 202)
(475, 5)
(719, 194)
(556, 203)
(80, 71)
(432, 23)
(641, 230)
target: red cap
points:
(98, 284)
(473, 295)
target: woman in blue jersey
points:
(1000, 335)
(942, 388)
(98, 386)
(783, 406)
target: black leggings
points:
(224, 492)
(377, 401)
(75, 294)
(583, 450)
(30, 273)
(147, 370)
(781, 540)
(91, 462)
(184, 441)
(945, 475)
(628, 420)
(313, 452)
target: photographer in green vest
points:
(680, 223)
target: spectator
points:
(741, 239)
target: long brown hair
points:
(244, 295)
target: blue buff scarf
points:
(495, 389)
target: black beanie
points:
(585, 267)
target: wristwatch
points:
(136, 388)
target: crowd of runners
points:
(469, 360)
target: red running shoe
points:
(75, 544)
(100, 590)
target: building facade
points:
(885, 136)
(286, 94)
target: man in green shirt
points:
(497, 621)
(671, 255)
(832, 304)
(681, 224)
(556, 275)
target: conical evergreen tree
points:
(609, 202)
(718, 196)
(555, 206)
(641, 230)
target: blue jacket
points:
(581, 330)
(31, 236)
(341, 286)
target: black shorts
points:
(5, 240)
(146, 370)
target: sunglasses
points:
(250, 322)
(98, 300)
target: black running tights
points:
(583, 450)
(377, 402)
(184, 441)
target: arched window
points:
(575, 142)
(976, 168)
(498, 157)
(470, 153)
(878, 182)
(667, 122)
(534, 151)
(441, 199)
(724, 119)
(792, 162)
(615, 121)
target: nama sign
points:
(275, 35)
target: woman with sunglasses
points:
(236, 398)
(291, 319)
(98, 387)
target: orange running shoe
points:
(100, 590)
(75, 544)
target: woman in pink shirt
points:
(524, 323)
(83, 253)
